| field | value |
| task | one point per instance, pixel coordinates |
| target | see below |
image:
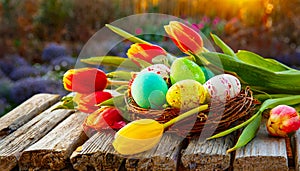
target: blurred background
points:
(41, 39)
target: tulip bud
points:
(85, 80)
(282, 121)
(145, 52)
(87, 102)
(185, 38)
(103, 118)
(138, 136)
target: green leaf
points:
(248, 134)
(258, 61)
(257, 77)
(115, 61)
(66, 103)
(225, 48)
(119, 75)
(126, 35)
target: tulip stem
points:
(185, 115)
(115, 82)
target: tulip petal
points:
(138, 136)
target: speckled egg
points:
(159, 69)
(186, 94)
(223, 87)
(183, 69)
(149, 90)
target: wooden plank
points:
(13, 144)
(163, 157)
(54, 149)
(207, 155)
(25, 112)
(97, 153)
(262, 153)
(297, 150)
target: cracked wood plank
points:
(97, 153)
(207, 155)
(13, 144)
(25, 112)
(163, 157)
(54, 149)
(262, 153)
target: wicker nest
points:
(218, 117)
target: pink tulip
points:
(282, 121)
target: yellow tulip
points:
(142, 135)
(138, 136)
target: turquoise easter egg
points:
(149, 90)
(207, 72)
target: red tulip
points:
(185, 38)
(85, 80)
(282, 121)
(145, 52)
(103, 118)
(87, 102)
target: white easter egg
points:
(159, 69)
(223, 87)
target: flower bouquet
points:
(203, 93)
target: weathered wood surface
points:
(163, 157)
(13, 144)
(54, 149)
(297, 150)
(25, 112)
(97, 153)
(262, 153)
(208, 155)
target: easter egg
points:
(183, 69)
(207, 72)
(186, 94)
(149, 90)
(159, 69)
(223, 87)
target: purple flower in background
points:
(63, 62)
(216, 21)
(23, 72)
(27, 87)
(10, 62)
(3, 106)
(53, 51)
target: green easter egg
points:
(149, 90)
(182, 69)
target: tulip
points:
(85, 80)
(87, 102)
(145, 52)
(142, 135)
(103, 118)
(283, 120)
(185, 38)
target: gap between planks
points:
(54, 149)
(13, 144)
(25, 112)
(262, 153)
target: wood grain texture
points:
(163, 157)
(13, 144)
(207, 155)
(25, 112)
(297, 150)
(97, 153)
(54, 149)
(262, 153)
